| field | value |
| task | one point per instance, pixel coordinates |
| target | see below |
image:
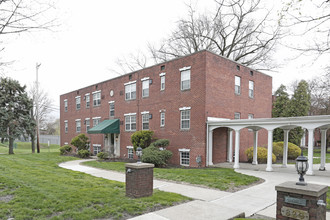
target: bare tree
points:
(320, 95)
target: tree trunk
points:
(11, 145)
(33, 144)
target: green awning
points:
(106, 127)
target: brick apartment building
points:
(173, 99)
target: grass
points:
(317, 153)
(25, 148)
(33, 186)
(219, 178)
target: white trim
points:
(145, 78)
(162, 110)
(111, 102)
(87, 119)
(87, 94)
(129, 147)
(145, 112)
(184, 150)
(129, 83)
(96, 117)
(66, 143)
(128, 114)
(185, 68)
(96, 91)
(162, 74)
(65, 120)
(78, 120)
(77, 96)
(96, 145)
(65, 100)
(184, 108)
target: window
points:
(237, 85)
(88, 124)
(250, 116)
(66, 126)
(145, 88)
(88, 99)
(251, 89)
(162, 81)
(78, 125)
(185, 78)
(162, 119)
(112, 108)
(184, 157)
(145, 120)
(65, 105)
(237, 115)
(96, 148)
(97, 98)
(130, 122)
(130, 152)
(96, 121)
(162, 67)
(130, 91)
(78, 102)
(185, 118)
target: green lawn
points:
(219, 178)
(25, 148)
(317, 153)
(33, 186)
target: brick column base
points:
(300, 202)
(139, 179)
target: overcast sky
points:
(92, 35)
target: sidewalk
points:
(216, 204)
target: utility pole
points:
(37, 106)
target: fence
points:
(53, 139)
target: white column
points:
(237, 133)
(303, 139)
(323, 149)
(270, 151)
(255, 147)
(310, 151)
(210, 147)
(285, 148)
(230, 146)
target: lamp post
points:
(139, 154)
(301, 167)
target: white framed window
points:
(185, 78)
(78, 102)
(65, 105)
(130, 152)
(112, 108)
(237, 85)
(96, 121)
(130, 91)
(66, 126)
(237, 115)
(130, 122)
(251, 89)
(145, 88)
(96, 149)
(250, 116)
(162, 81)
(185, 118)
(97, 98)
(162, 119)
(88, 124)
(88, 100)
(78, 125)
(145, 120)
(184, 157)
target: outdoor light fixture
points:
(301, 167)
(139, 154)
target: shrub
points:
(66, 149)
(102, 155)
(261, 155)
(141, 139)
(83, 153)
(80, 142)
(161, 143)
(155, 156)
(293, 150)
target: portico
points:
(310, 123)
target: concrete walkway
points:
(216, 204)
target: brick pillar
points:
(139, 179)
(300, 202)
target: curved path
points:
(216, 204)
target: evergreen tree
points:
(280, 109)
(15, 109)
